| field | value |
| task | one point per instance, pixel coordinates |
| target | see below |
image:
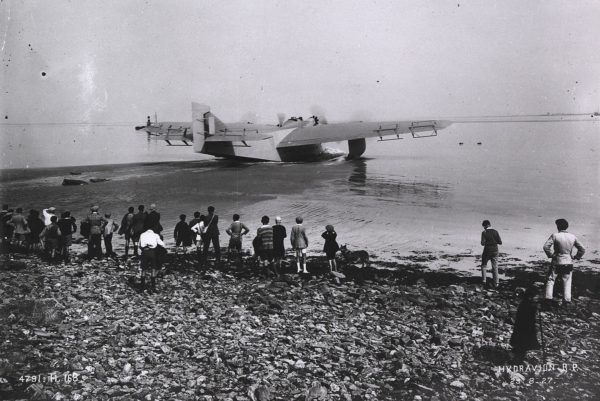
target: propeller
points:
(319, 112)
(280, 118)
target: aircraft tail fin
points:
(201, 125)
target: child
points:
(182, 234)
(524, 335)
(197, 230)
(299, 242)
(331, 246)
(265, 232)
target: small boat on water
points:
(478, 143)
(75, 172)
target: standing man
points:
(236, 230)
(211, 233)
(279, 234)
(127, 228)
(299, 242)
(490, 239)
(67, 228)
(559, 247)
(138, 224)
(95, 237)
(20, 229)
(108, 228)
(153, 220)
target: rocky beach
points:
(395, 331)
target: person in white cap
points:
(48, 213)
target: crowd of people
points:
(142, 231)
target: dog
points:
(361, 257)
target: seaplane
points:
(297, 139)
(291, 140)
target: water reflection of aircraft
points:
(295, 139)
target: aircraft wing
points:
(168, 131)
(237, 136)
(337, 132)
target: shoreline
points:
(382, 334)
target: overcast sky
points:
(118, 61)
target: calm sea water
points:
(405, 196)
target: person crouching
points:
(149, 243)
(524, 336)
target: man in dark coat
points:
(211, 235)
(67, 228)
(153, 220)
(95, 221)
(138, 223)
(490, 239)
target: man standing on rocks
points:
(559, 247)
(490, 239)
(153, 220)
(211, 234)
(95, 237)
(138, 224)
(236, 231)
(127, 228)
(20, 229)
(67, 228)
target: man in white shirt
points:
(149, 242)
(48, 213)
(559, 247)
